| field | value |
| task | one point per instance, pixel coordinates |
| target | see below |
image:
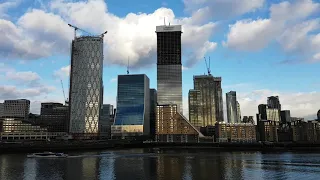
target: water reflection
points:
(143, 164)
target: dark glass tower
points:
(169, 67)
(232, 113)
(133, 106)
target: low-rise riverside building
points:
(235, 132)
(172, 126)
(268, 130)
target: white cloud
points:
(130, 36)
(221, 9)
(26, 76)
(289, 29)
(5, 6)
(113, 80)
(63, 72)
(12, 92)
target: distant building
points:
(235, 132)
(132, 117)
(305, 131)
(268, 113)
(19, 108)
(106, 121)
(86, 86)
(1, 109)
(169, 66)
(15, 129)
(55, 116)
(285, 116)
(268, 130)
(248, 119)
(318, 115)
(195, 108)
(273, 102)
(232, 109)
(172, 126)
(153, 109)
(238, 112)
(262, 109)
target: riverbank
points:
(63, 146)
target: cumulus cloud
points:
(12, 92)
(204, 10)
(26, 76)
(5, 6)
(130, 36)
(63, 72)
(290, 30)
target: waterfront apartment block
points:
(172, 126)
(235, 132)
(55, 116)
(267, 130)
(132, 117)
(169, 67)
(15, 129)
(305, 131)
(19, 108)
(86, 86)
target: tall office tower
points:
(133, 107)
(232, 111)
(274, 102)
(262, 109)
(195, 108)
(218, 98)
(54, 116)
(266, 113)
(238, 112)
(169, 67)
(86, 85)
(153, 108)
(1, 109)
(318, 115)
(19, 108)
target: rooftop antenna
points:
(128, 66)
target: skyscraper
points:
(133, 107)
(86, 85)
(238, 112)
(274, 102)
(195, 109)
(218, 98)
(231, 100)
(169, 67)
(318, 115)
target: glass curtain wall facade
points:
(195, 113)
(169, 67)
(86, 85)
(218, 98)
(238, 112)
(133, 106)
(232, 110)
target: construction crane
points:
(64, 95)
(76, 28)
(208, 67)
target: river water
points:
(143, 164)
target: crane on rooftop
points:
(76, 29)
(208, 67)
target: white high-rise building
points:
(86, 85)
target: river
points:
(143, 164)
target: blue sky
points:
(258, 47)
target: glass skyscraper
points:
(231, 100)
(133, 106)
(169, 67)
(195, 110)
(86, 85)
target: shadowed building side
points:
(172, 126)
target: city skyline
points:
(39, 80)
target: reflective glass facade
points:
(86, 85)
(195, 110)
(232, 110)
(133, 103)
(169, 67)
